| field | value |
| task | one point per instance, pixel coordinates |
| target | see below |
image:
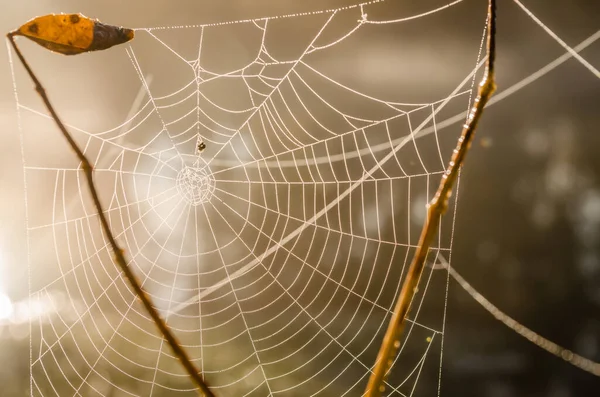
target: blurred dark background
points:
(527, 229)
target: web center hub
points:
(196, 185)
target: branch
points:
(572, 358)
(436, 209)
(118, 252)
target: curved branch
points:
(436, 209)
(118, 252)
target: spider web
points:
(275, 253)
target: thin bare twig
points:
(572, 358)
(436, 209)
(118, 252)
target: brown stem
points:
(437, 207)
(119, 256)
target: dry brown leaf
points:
(71, 34)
